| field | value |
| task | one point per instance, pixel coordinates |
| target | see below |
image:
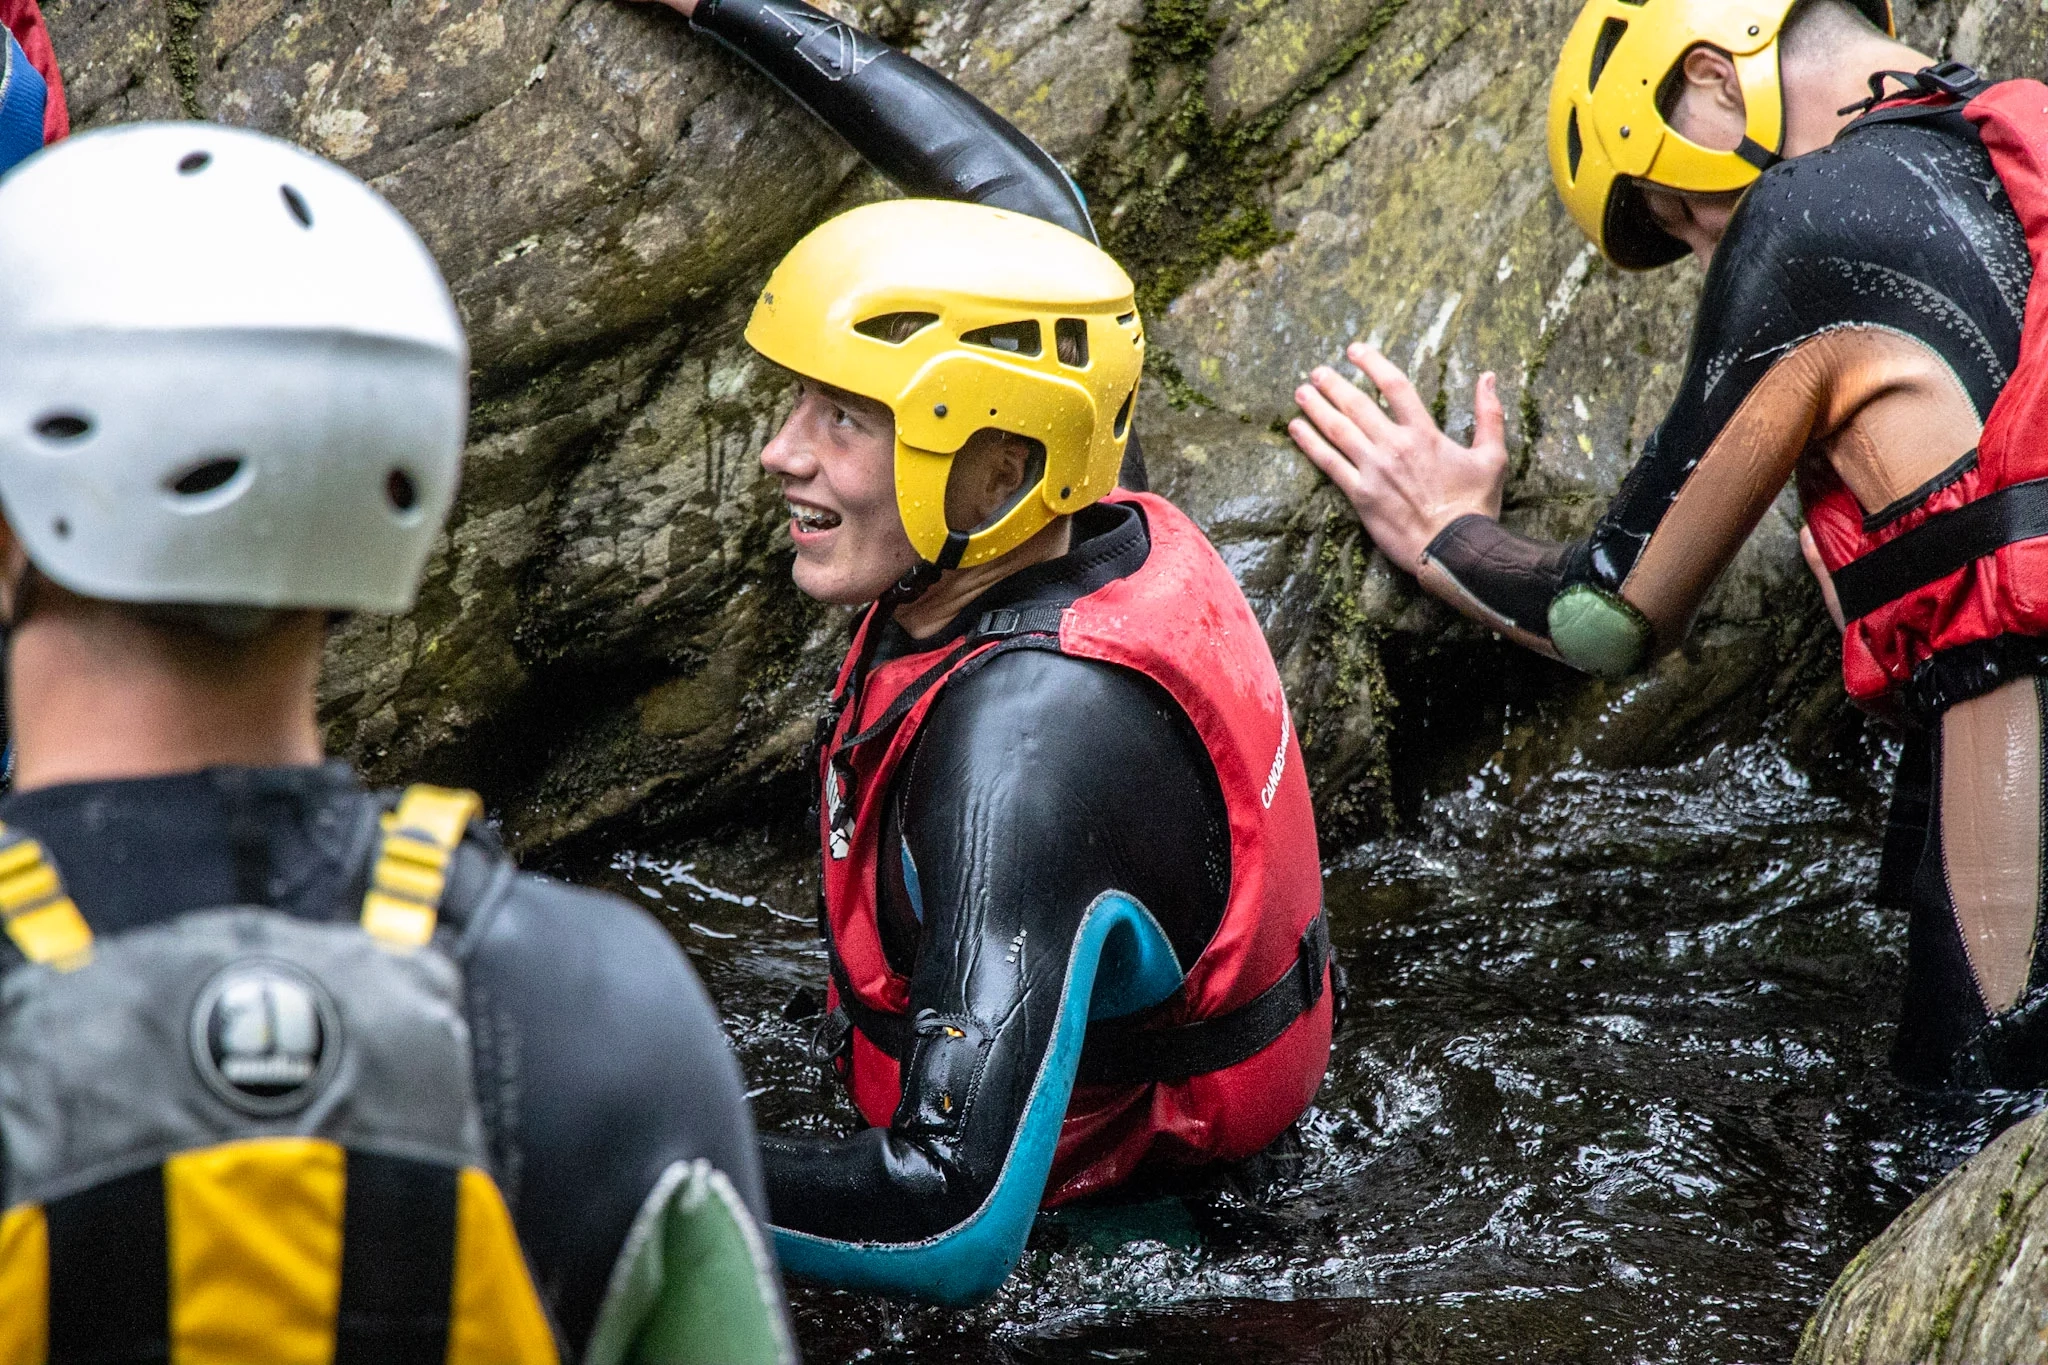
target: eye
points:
(842, 418)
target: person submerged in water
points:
(1862, 326)
(1059, 780)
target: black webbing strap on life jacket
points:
(1941, 545)
(1125, 1051)
(1930, 90)
(1017, 627)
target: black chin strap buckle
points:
(913, 585)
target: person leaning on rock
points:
(1863, 325)
(292, 1069)
(1072, 898)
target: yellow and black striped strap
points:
(419, 840)
(279, 1249)
(37, 912)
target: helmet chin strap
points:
(922, 578)
(925, 574)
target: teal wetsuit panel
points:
(1121, 963)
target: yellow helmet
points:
(960, 317)
(1605, 129)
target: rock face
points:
(1958, 1277)
(608, 641)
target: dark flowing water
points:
(1612, 1087)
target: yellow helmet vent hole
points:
(1070, 340)
(1123, 415)
(1016, 338)
(895, 328)
(1603, 48)
(1573, 147)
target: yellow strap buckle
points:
(38, 914)
(420, 837)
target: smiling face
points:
(836, 459)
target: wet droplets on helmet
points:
(960, 318)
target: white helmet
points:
(230, 374)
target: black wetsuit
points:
(1862, 314)
(930, 137)
(599, 1058)
(1036, 783)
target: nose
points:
(787, 453)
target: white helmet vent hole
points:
(208, 476)
(208, 482)
(192, 163)
(62, 528)
(296, 202)
(401, 491)
(63, 426)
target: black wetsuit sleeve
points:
(600, 1063)
(1037, 784)
(926, 134)
(1499, 578)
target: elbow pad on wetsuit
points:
(930, 137)
(1597, 631)
(1121, 963)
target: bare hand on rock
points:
(1406, 479)
(686, 8)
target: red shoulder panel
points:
(25, 22)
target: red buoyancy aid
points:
(1181, 621)
(24, 19)
(1968, 563)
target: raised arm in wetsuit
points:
(930, 137)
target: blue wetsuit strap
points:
(1121, 963)
(22, 98)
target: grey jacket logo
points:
(264, 1036)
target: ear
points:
(1016, 463)
(1710, 69)
(13, 565)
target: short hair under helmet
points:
(233, 375)
(1606, 132)
(957, 317)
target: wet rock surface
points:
(609, 641)
(1958, 1277)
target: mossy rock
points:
(608, 643)
(1957, 1278)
